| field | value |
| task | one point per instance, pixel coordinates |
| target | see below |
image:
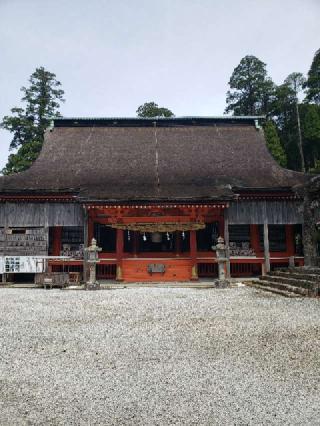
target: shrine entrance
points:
(155, 243)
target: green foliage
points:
(285, 111)
(254, 93)
(295, 81)
(23, 158)
(253, 90)
(312, 85)
(310, 128)
(151, 109)
(285, 116)
(316, 168)
(42, 99)
(274, 143)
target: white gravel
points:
(157, 357)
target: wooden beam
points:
(149, 219)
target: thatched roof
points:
(134, 159)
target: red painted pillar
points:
(56, 244)
(221, 225)
(290, 240)
(119, 253)
(254, 238)
(193, 255)
(90, 229)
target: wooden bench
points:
(53, 279)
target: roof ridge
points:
(181, 117)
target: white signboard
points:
(22, 264)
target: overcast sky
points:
(113, 55)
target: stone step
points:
(158, 285)
(288, 279)
(296, 275)
(286, 287)
(22, 285)
(305, 269)
(275, 290)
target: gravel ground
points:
(158, 357)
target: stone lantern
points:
(92, 259)
(221, 258)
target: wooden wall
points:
(34, 242)
(71, 214)
(40, 214)
(137, 270)
(282, 212)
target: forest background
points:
(291, 113)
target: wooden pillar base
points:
(119, 273)
(194, 273)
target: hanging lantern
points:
(183, 235)
(168, 236)
(129, 236)
(144, 237)
(156, 237)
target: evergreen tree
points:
(252, 90)
(274, 143)
(151, 109)
(295, 81)
(310, 129)
(312, 85)
(284, 114)
(42, 99)
(23, 158)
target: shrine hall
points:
(156, 194)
